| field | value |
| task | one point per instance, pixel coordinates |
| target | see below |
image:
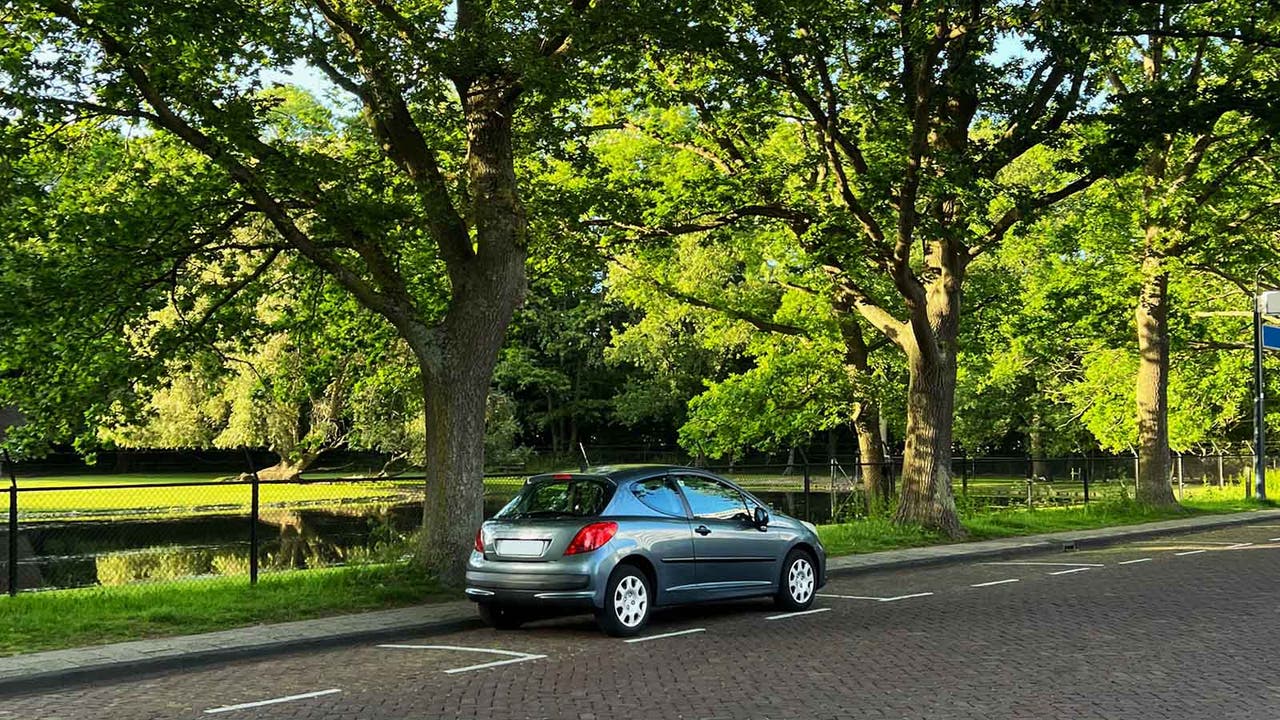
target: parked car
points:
(620, 541)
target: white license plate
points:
(521, 548)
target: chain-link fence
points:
(193, 517)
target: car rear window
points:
(560, 497)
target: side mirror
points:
(760, 518)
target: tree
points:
(1206, 191)
(912, 124)
(422, 201)
(795, 366)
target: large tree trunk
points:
(458, 359)
(875, 481)
(1152, 387)
(926, 497)
(289, 468)
(866, 422)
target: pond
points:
(86, 553)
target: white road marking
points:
(1189, 552)
(1130, 562)
(516, 657)
(994, 582)
(784, 616)
(877, 599)
(1072, 570)
(1190, 542)
(1047, 564)
(495, 663)
(455, 647)
(1239, 545)
(666, 635)
(260, 703)
(906, 597)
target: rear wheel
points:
(799, 582)
(628, 601)
(501, 617)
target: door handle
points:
(703, 530)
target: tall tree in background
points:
(429, 206)
(914, 121)
(1206, 197)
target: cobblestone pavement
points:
(1184, 627)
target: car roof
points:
(620, 473)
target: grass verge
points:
(879, 533)
(93, 616)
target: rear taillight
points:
(480, 540)
(591, 537)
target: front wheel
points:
(500, 616)
(799, 582)
(628, 600)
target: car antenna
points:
(585, 462)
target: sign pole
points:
(1259, 404)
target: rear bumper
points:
(502, 583)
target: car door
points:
(669, 537)
(733, 556)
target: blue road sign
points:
(1271, 337)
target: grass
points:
(44, 498)
(72, 618)
(879, 533)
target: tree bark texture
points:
(1152, 386)
(926, 498)
(458, 367)
(866, 421)
(875, 481)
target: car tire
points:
(500, 617)
(628, 602)
(798, 585)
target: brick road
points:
(1177, 636)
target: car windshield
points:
(560, 497)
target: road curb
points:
(60, 679)
(1027, 545)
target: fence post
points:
(964, 474)
(1087, 473)
(253, 520)
(1180, 488)
(808, 513)
(1220, 478)
(13, 525)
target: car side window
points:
(713, 500)
(659, 494)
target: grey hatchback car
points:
(620, 541)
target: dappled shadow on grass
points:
(92, 616)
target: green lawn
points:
(43, 499)
(875, 534)
(72, 618)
